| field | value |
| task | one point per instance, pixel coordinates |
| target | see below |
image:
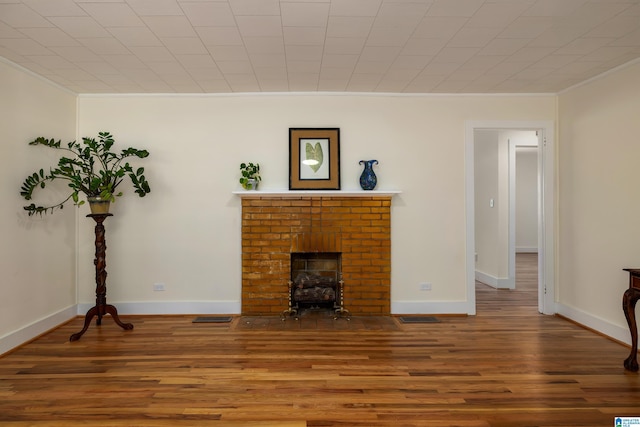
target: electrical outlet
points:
(158, 287)
(425, 286)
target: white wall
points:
(491, 262)
(186, 233)
(37, 254)
(599, 211)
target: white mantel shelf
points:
(315, 193)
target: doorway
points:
(523, 209)
(503, 182)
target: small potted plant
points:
(250, 175)
(92, 169)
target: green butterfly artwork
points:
(315, 156)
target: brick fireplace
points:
(356, 227)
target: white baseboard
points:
(171, 307)
(495, 282)
(431, 307)
(29, 332)
(619, 333)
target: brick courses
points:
(358, 227)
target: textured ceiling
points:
(398, 46)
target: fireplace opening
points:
(315, 282)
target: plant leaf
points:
(314, 153)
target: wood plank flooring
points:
(506, 366)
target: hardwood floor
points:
(522, 301)
(506, 366)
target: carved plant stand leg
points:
(101, 308)
(629, 300)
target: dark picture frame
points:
(314, 158)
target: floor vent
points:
(217, 319)
(419, 319)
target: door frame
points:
(546, 207)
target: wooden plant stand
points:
(101, 308)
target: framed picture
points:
(314, 159)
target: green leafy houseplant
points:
(92, 169)
(250, 171)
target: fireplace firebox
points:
(316, 283)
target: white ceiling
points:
(398, 46)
